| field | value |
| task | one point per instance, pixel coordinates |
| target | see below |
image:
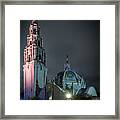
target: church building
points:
(69, 81)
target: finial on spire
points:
(67, 65)
(67, 59)
(34, 21)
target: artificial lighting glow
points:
(68, 95)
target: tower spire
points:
(67, 64)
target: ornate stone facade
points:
(34, 68)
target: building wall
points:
(35, 71)
(57, 93)
(29, 80)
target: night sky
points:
(80, 39)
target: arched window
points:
(39, 57)
(34, 31)
(30, 42)
(28, 58)
(39, 43)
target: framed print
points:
(40, 81)
(60, 60)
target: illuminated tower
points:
(34, 68)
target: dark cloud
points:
(79, 39)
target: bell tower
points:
(34, 68)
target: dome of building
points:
(69, 80)
(91, 91)
(71, 76)
(68, 76)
